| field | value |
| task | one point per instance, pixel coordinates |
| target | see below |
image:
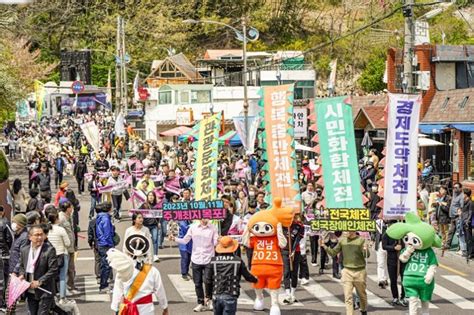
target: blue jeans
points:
(185, 261)
(105, 269)
(94, 201)
(164, 230)
(225, 304)
(63, 277)
(155, 237)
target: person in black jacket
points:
(466, 221)
(228, 269)
(101, 165)
(80, 170)
(44, 183)
(6, 239)
(291, 258)
(40, 272)
(395, 267)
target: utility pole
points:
(118, 72)
(124, 71)
(246, 102)
(408, 50)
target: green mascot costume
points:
(418, 279)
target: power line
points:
(314, 48)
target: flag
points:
(338, 153)
(16, 288)
(401, 156)
(108, 98)
(248, 141)
(92, 134)
(332, 77)
(136, 97)
(279, 144)
(39, 96)
(206, 153)
(119, 126)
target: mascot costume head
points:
(418, 279)
(265, 235)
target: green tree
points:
(371, 79)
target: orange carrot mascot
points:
(264, 234)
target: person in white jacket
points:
(59, 238)
(138, 228)
(136, 282)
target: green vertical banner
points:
(338, 153)
(206, 148)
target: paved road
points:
(454, 293)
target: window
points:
(164, 98)
(184, 97)
(200, 97)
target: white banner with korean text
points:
(401, 159)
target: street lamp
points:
(244, 35)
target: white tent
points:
(300, 147)
(427, 142)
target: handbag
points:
(126, 194)
(60, 260)
(116, 239)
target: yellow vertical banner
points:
(39, 97)
(207, 147)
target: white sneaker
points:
(74, 292)
(209, 305)
(200, 308)
(314, 264)
(304, 281)
(156, 258)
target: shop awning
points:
(463, 127)
(175, 132)
(225, 139)
(189, 136)
(432, 128)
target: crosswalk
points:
(324, 289)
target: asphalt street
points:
(454, 292)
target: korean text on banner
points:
(91, 132)
(338, 153)
(401, 157)
(280, 145)
(205, 177)
(39, 98)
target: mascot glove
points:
(282, 241)
(430, 274)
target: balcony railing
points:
(288, 67)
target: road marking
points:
(90, 289)
(282, 296)
(169, 256)
(375, 279)
(322, 294)
(462, 282)
(453, 270)
(188, 294)
(452, 297)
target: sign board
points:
(147, 213)
(77, 87)
(422, 32)
(356, 220)
(184, 117)
(300, 116)
(143, 94)
(194, 210)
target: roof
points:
(186, 87)
(214, 54)
(358, 102)
(454, 106)
(372, 115)
(182, 63)
(455, 53)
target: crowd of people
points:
(145, 174)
